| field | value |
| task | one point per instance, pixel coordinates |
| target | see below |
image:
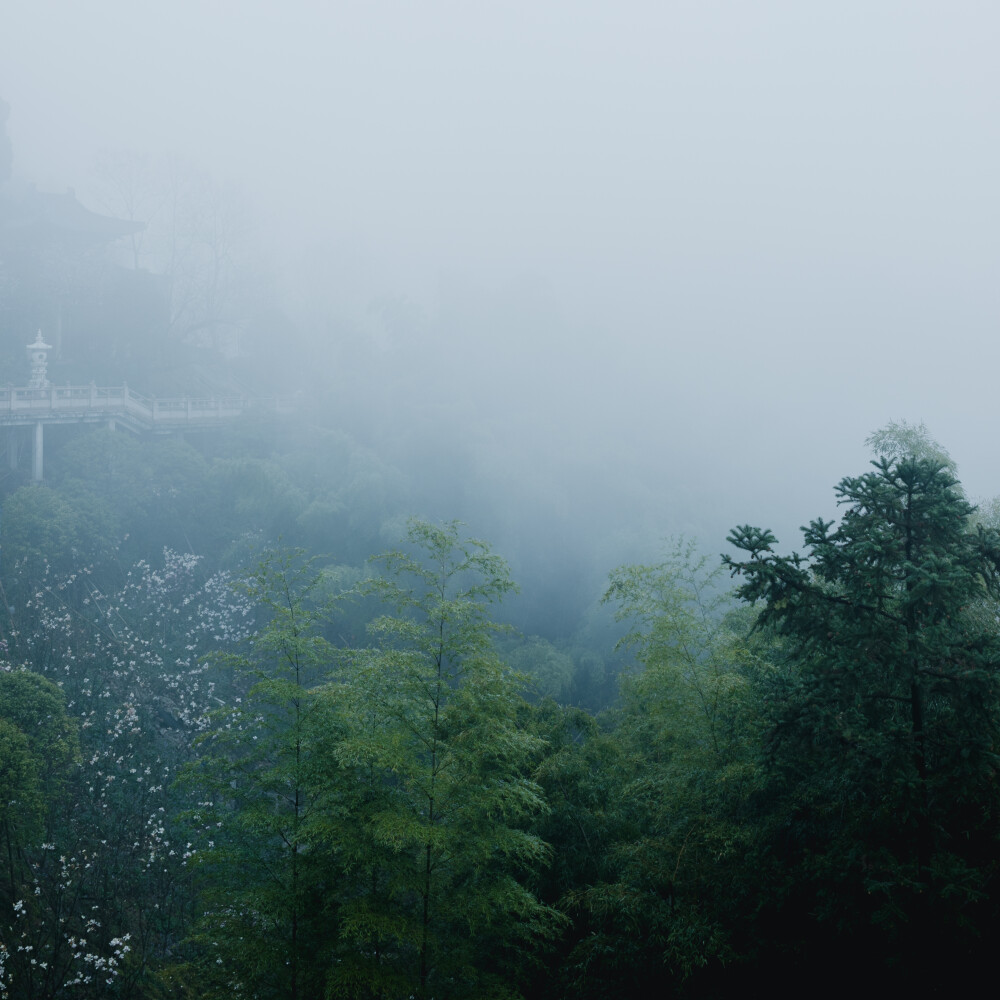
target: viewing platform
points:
(98, 404)
(115, 406)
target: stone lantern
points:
(38, 357)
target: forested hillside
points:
(407, 414)
(240, 757)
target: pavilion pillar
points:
(37, 452)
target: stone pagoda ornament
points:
(38, 356)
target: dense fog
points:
(656, 267)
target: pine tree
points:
(885, 719)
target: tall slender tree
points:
(263, 928)
(656, 904)
(436, 903)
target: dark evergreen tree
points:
(884, 730)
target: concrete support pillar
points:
(12, 448)
(37, 452)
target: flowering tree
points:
(49, 940)
(105, 872)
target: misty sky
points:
(753, 232)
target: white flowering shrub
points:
(109, 887)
